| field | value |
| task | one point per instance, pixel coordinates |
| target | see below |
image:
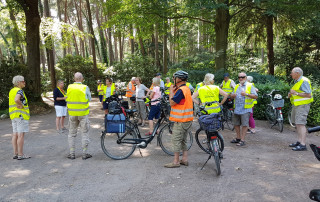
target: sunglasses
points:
(241, 77)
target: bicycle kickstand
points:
(206, 162)
(140, 152)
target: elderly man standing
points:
(131, 90)
(78, 97)
(244, 94)
(301, 97)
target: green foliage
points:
(135, 66)
(69, 65)
(9, 68)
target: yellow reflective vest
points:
(298, 100)
(100, 87)
(210, 93)
(151, 87)
(113, 90)
(226, 86)
(167, 85)
(14, 112)
(77, 103)
(248, 101)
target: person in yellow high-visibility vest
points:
(227, 84)
(301, 98)
(78, 97)
(167, 86)
(108, 90)
(244, 94)
(100, 91)
(252, 123)
(19, 115)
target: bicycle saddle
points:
(315, 195)
(131, 111)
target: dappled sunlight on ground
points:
(17, 173)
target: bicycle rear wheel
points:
(270, 114)
(280, 120)
(215, 150)
(202, 140)
(119, 145)
(164, 139)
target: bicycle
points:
(289, 118)
(122, 145)
(273, 110)
(208, 137)
(227, 114)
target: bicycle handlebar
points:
(314, 129)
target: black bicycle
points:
(273, 110)
(121, 145)
(227, 114)
(208, 137)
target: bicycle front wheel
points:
(215, 150)
(119, 145)
(202, 140)
(270, 115)
(165, 139)
(229, 115)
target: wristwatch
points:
(247, 94)
(297, 93)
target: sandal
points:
(185, 163)
(23, 157)
(241, 143)
(236, 140)
(15, 156)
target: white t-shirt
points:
(140, 92)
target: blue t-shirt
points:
(57, 93)
(179, 96)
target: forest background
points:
(49, 40)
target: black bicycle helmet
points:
(181, 75)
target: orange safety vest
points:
(183, 113)
(129, 93)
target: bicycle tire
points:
(229, 115)
(289, 118)
(202, 140)
(270, 115)
(118, 150)
(215, 153)
(279, 122)
(164, 139)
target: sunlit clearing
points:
(7, 135)
(314, 165)
(95, 125)
(271, 198)
(17, 173)
(66, 165)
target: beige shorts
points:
(19, 125)
(179, 137)
(300, 113)
(241, 119)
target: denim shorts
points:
(154, 112)
(105, 105)
(100, 97)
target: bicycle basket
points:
(211, 122)
(114, 108)
(278, 103)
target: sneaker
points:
(64, 129)
(59, 132)
(86, 156)
(23, 157)
(15, 156)
(294, 144)
(172, 165)
(300, 147)
(71, 156)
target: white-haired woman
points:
(252, 123)
(140, 104)
(19, 115)
(210, 93)
(155, 104)
(60, 106)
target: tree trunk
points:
(262, 55)
(156, 45)
(221, 29)
(33, 20)
(43, 60)
(269, 25)
(80, 26)
(174, 41)
(120, 47)
(131, 39)
(165, 50)
(143, 51)
(102, 39)
(95, 69)
(111, 56)
(116, 58)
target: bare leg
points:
(150, 126)
(20, 143)
(176, 158)
(62, 122)
(244, 132)
(185, 156)
(58, 119)
(237, 128)
(14, 143)
(302, 133)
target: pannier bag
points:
(115, 123)
(114, 108)
(211, 122)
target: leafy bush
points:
(135, 66)
(70, 64)
(9, 68)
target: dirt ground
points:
(264, 170)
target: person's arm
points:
(305, 87)
(191, 87)
(253, 94)
(171, 90)
(88, 94)
(194, 97)
(225, 96)
(18, 101)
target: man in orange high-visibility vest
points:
(131, 91)
(182, 115)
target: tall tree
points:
(30, 8)
(95, 68)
